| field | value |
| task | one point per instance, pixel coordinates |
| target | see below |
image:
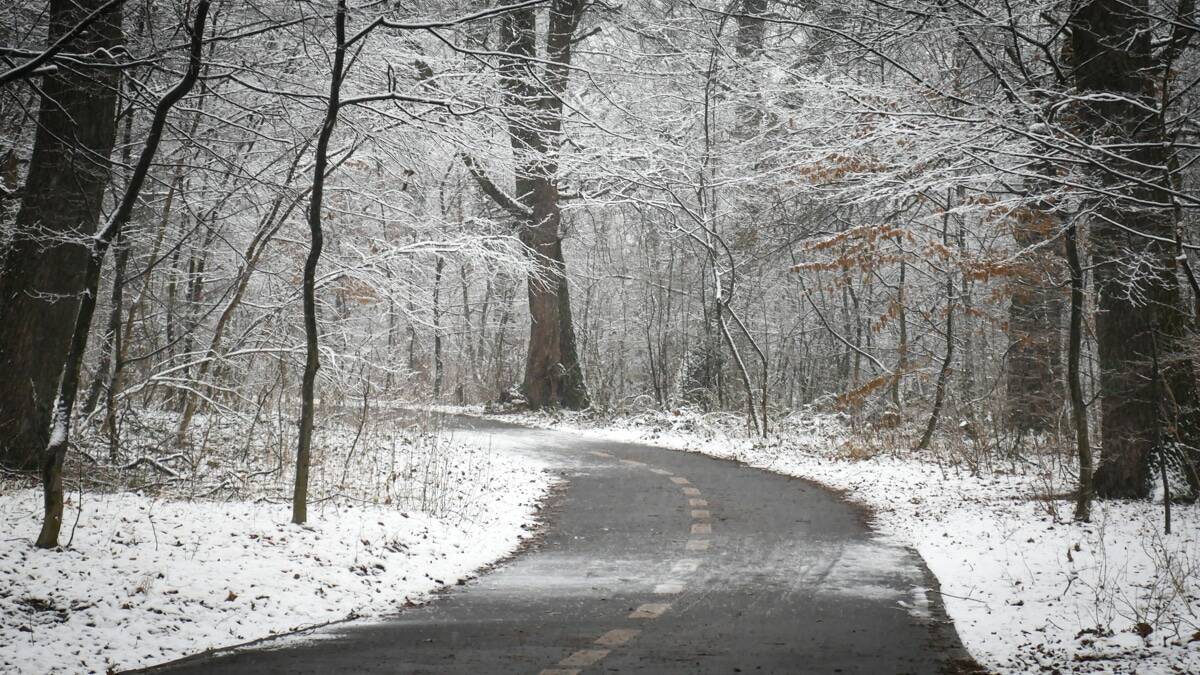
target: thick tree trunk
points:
(552, 373)
(553, 376)
(1139, 300)
(68, 384)
(43, 271)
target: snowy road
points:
(656, 561)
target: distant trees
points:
(971, 224)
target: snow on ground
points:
(147, 580)
(1029, 590)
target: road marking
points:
(697, 544)
(661, 472)
(617, 637)
(697, 502)
(584, 658)
(633, 462)
(691, 492)
(701, 513)
(601, 454)
(679, 480)
(651, 610)
(669, 588)
(701, 528)
(560, 671)
(686, 565)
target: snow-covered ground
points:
(1029, 590)
(148, 579)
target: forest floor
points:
(1028, 589)
(151, 574)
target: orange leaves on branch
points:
(856, 397)
(837, 166)
(855, 248)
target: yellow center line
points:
(651, 610)
(584, 658)
(617, 637)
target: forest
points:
(259, 257)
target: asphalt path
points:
(655, 561)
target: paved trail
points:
(656, 561)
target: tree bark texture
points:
(43, 270)
(1140, 307)
(317, 238)
(68, 382)
(553, 376)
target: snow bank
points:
(1029, 590)
(147, 580)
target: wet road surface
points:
(656, 561)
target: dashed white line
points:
(701, 513)
(686, 565)
(698, 544)
(701, 528)
(691, 492)
(680, 480)
(695, 502)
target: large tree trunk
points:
(1139, 300)
(552, 373)
(553, 376)
(68, 383)
(43, 270)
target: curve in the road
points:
(657, 561)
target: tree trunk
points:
(1140, 306)
(1083, 445)
(311, 336)
(43, 271)
(438, 363)
(68, 384)
(553, 376)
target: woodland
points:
(231, 231)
